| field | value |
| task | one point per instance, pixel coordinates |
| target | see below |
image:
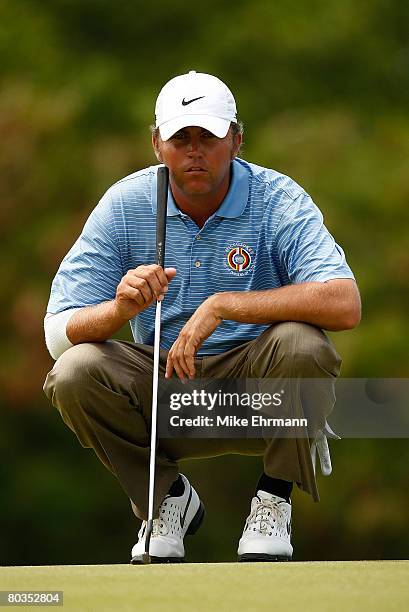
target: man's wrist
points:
(117, 313)
(219, 303)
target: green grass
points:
(220, 587)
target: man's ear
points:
(156, 148)
(236, 145)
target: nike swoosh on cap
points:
(186, 102)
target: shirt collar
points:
(233, 204)
(235, 201)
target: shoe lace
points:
(263, 515)
(167, 522)
(159, 528)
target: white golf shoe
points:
(267, 532)
(178, 516)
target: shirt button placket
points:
(198, 263)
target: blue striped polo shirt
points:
(266, 233)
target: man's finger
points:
(148, 278)
(176, 354)
(181, 361)
(179, 371)
(143, 287)
(170, 273)
(169, 367)
(163, 275)
(131, 293)
(189, 360)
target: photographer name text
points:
(257, 420)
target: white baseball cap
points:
(195, 99)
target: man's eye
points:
(207, 134)
(179, 136)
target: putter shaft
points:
(156, 349)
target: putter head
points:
(146, 559)
(143, 559)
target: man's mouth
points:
(195, 169)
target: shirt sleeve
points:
(306, 249)
(55, 326)
(91, 271)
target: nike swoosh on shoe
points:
(183, 516)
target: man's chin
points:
(196, 186)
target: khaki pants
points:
(103, 392)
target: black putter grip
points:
(161, 209)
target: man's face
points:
(198, 161)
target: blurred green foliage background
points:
(323, 89)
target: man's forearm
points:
(137, 290)
(334, 305)
(95, 323)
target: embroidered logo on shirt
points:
(239, 258)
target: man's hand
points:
(333, 305)
(140, 287)
(135, 292)
(199, 327)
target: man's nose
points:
(194, 145)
